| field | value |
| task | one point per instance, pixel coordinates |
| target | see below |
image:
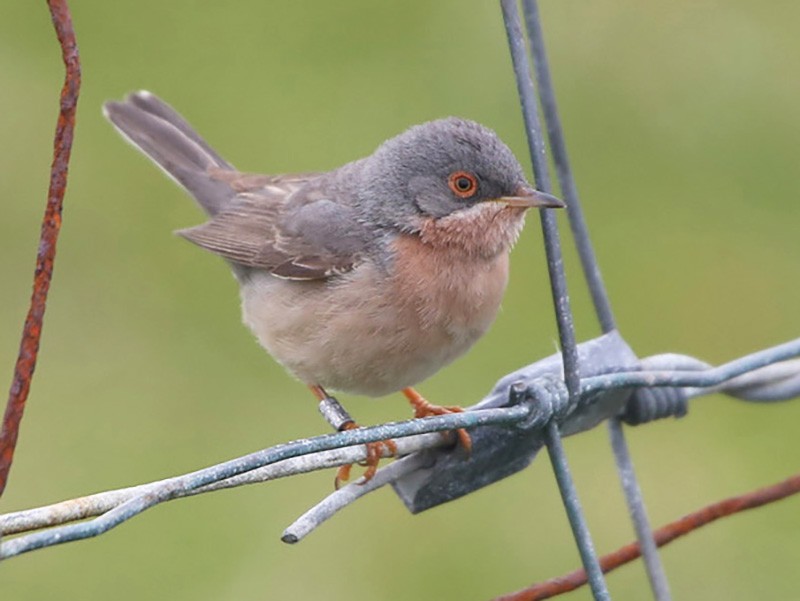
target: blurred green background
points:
(683, 124)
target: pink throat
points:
(484, 230)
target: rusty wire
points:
(51, 226)
(141, 496)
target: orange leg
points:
(375, 450)
(318, 391)
(423, 408)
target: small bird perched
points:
(368, 278)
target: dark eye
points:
(463, 184)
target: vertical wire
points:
(591, 271)
(580, 529)
(555, 266)
(569, 190)
(638, 513)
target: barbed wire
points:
(524, 404)
(585, 384)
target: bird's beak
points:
(528, 198)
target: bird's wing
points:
(284, 225)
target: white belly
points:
(358, 337)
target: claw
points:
(423, 408)
(375, 450)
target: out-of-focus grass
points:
(684, 130)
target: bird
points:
(365, 279)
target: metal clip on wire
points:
(499, 451)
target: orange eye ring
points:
(463, 184)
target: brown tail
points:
(156, 129)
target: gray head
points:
(439, 168)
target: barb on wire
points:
(524, 418)
(446, 476)
(46, 254)
(576, 402)
(664, 535)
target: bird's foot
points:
(375, 450)
(341, 420)
(423, 408)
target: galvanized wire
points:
(566, 181)
(597, 290)
(758, 372)
(665, 384)
(764, 382)
(558, 286)
(555, 263)
(181, 485)
(705, 378)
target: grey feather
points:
(318, 225)
(253, 224)
(165, 137)
(316, 240)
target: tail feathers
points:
(169, 141)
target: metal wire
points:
(97, 504)
(759, 370)
(703, 379)
(637, 511)
(180, 485)
(666, 384)
(558, 147)
(558, 286)
(597, 290)
(580, 530)
(555, 264)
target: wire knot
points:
(649, 404)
